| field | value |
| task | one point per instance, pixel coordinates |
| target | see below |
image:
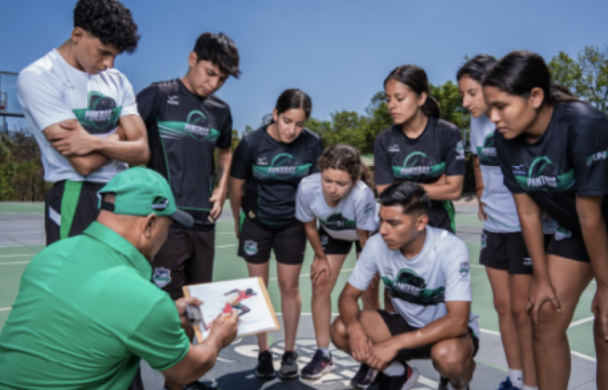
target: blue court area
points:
(22, 237)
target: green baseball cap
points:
(142, 191)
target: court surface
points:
(22, 237)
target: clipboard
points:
(218, 296)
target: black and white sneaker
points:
(289, 366)
(403, 382)
(364, 377)
(265, 368)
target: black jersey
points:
(273, 171)
(438, 150)
(183, 131)
(567, 161)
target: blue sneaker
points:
(507, 385)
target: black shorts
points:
(334, 246)
(568, 245)
(397, 325)
(288, 243)
(185, 258)
(506, 252)
(70, 207)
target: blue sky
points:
(339, 51)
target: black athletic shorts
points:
(334, 246)
(70, 207)
(397, 325)
(288, 243)
(185, 258)
(568, 245)
(506, 252)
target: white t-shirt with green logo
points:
(357, 210)
(51, 91)
(419, 286)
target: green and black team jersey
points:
(183, 131)
(568, 160)
(438, 150)
(273, 171)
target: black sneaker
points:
(265, 368)
(364, 377)
(318, 366)
(289, 365)
(403, 382)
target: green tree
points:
(594, 82)
(450, 102)
(236, 139)
(565, 72)
(248, 130)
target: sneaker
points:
(403, 382)
(289, 365)
(507, 385)
(318, 366)
(265, 368)
(364, 377)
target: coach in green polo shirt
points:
(86, 313)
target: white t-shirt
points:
(357, 210)
(500, 206)
(419, 286)
(51, 91)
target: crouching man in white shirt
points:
(426, 271)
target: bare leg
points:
(454, 360)
(260, 270)
(520, 286)
(291, 302)
(501, 289)
(321, 300)
(372, 324)
(551, 348)
(601, 350)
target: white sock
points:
(395, 369)
(517, 378)
(325, 352)
(529, 388)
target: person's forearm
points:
(443, 189)
(444, 328)
(349, 310)
(595, 235)
(85, 165)
(208, 352)
(134, 152)
(224, 159)
(479, 184)
(313, 238)
(532, 230)
(236, 198)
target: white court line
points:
(30, 243)
(307, 275)
(19, 255)
(5, 308)
(37, 231)
(18, 262)
(580, 322)
(227, 246)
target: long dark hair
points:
(348, 159)
(415, 78)
(519, 72)
(290, 99)
(476, 67)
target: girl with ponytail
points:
(420, 147)
(552, 150)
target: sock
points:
(395, 369)
(529, 388)
(325, 352)
(517, 378)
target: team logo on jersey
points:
(464, 269)
(282, 167)
(394, 148)
(100, 116)
(370, 207)
(543, 175)
(262, 161)
(410, 287)
(197, 126)
(418, 165)
(487, 152)
(173, 100)
(161, 277)
(599, 156)
(250, 247)
(338, 222)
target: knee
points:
(520, 316)
(322, 288)
(289, 291)
(551, 324)
(502, 306)
(337, 332)
(450, 362)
